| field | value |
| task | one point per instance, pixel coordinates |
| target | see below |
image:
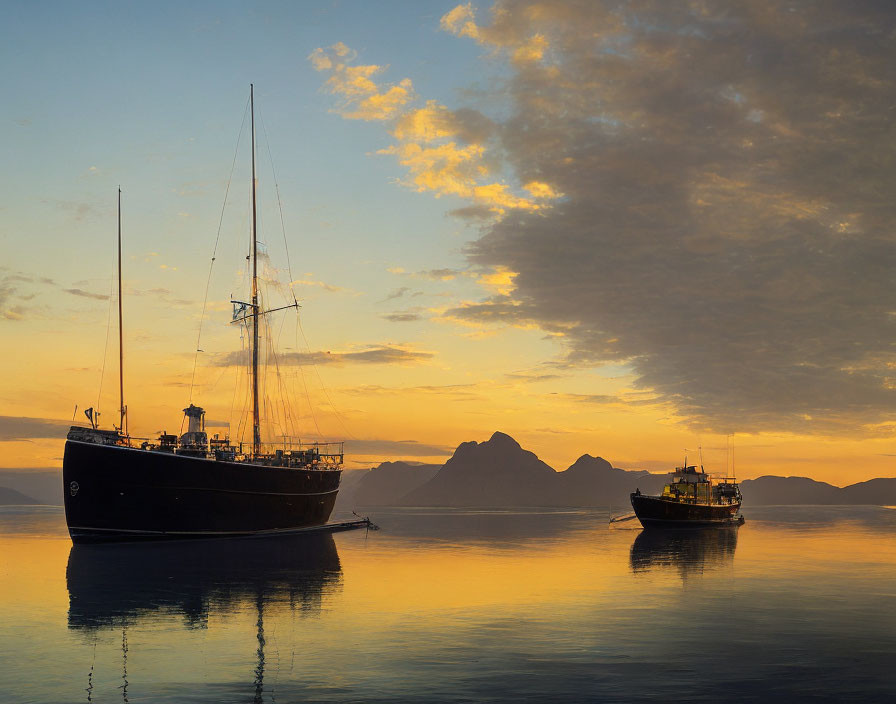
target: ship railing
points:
(292, 452)
(322, 449)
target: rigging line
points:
(272, 355)
(215, 250)
(247, 405)
(218, 380)
(244, 412)
(243, 377)
(236, 385)
(99, 393)
(274, 418)
(305, 383)
(285, 421)
(269, 416)
(284, 394)
(279, 205)
(322, 386)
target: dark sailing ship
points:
(691, 499)
(118, 487)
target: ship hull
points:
(654, 511)
(115, 493)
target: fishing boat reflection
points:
(690, 551)
(115, 585)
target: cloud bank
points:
(706, 196)
(727, 228)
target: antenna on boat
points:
(122, 408)
(256, 428)
(732, 459)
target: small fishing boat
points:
(691, 499)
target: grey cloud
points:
(87, 294)
(597, 399)
(456, 391)
(23, 428)
(496, 309)
(402, 317)
(397, 293)
(163, 294)
(381, 354)
(406, 448)
(470, 126)
(727, 225)
(11, 296)
(532, 376)
(385, 355)
(473, 212)
(8, 311)
(439, 274)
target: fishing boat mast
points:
(256, 426)
(122, 409)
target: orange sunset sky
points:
(624, 232)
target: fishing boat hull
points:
(115, 493)
(655, 511)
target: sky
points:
(616, 228)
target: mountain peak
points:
(503, 439)
(589, 463)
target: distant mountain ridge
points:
(769, 490)
(43, 484)
(500, 473)
(11, 497)
(380, 486)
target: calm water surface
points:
(797, 604)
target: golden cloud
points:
(444, 151)
(461, 21)
(363, 98)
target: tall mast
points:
(256, 428)
(122, 409)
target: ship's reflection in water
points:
(117, 586)
(688, 550)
